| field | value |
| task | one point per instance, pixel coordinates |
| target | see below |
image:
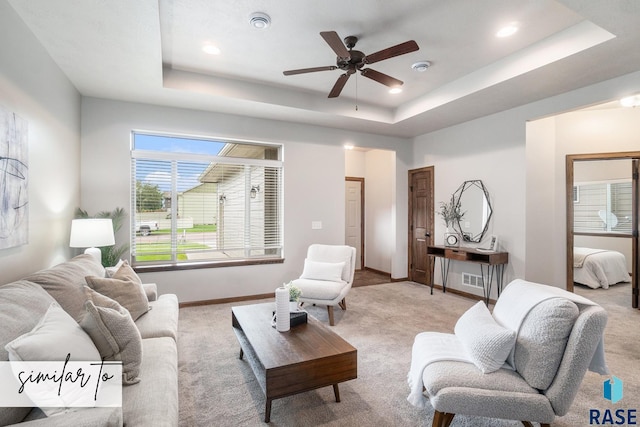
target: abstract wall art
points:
(14, 167)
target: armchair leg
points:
(343, 304)
(442, 419)
(330, 310)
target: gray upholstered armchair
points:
(327, 276)
(524, 362)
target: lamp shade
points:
(91, 232)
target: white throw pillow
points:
(316, 270)
(52, 339)
(486, 342)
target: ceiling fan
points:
(351, 61)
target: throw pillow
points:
(114, 333)
(125, 287)
(486, 342)
(110, 271)
(125, 272)
(54, 338)
(328, 271)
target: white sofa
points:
(153, 401)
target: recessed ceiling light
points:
(395, 90)
(259, 20)
(348, 146)
(630, 101)
(210, 49)
(421, 66)
(508, 30)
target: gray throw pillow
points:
(542, 340)
(125, 287)
(114, 333)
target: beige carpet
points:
(218, 389)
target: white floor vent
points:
(473, 280)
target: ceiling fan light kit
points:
(259, 20)
(350, 61)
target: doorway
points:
(354, 217)
(420, 224)
(607, 217)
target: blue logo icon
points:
(612, 389)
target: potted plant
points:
(294, 296)
(451, 214)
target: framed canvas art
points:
(14, 179)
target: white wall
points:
(581, 132)
(378, 168)
(380, 202)
(492, 150)
(522, 166)
(32, 86)
(313, 184)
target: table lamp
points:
(91, 232)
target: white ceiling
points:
(150, 51)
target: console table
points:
(491, 265)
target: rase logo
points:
(612, 390)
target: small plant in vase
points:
(294, 296)
(450, 213)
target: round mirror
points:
(473, 199)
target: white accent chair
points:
(556, 337)
(327, 276)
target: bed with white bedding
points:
(599, 268)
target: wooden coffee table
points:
(304, 358)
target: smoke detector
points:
(259, 20)
(421, 66)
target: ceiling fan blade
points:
(337, 88)
(333, 40)
(381, 77)
(309, 70)
(390, 52)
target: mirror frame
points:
(458, 195)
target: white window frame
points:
(277, 251)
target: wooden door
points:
(420, 224)
(354, 217)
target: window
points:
(603, 207)
(204, 201)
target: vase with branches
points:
(450, 212)
(110, 254)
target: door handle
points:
(427, 234)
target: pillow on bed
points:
(486, 342)
(316, 270)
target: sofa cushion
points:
(114, 333)
(22, 305)
(154, 400)
(126, 291)
(542, 340)
(161, 320)
(486, 342)
(65, 282)
(56, 337)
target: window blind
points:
(208, 208)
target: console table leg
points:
(336, 392)
(267, 411)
